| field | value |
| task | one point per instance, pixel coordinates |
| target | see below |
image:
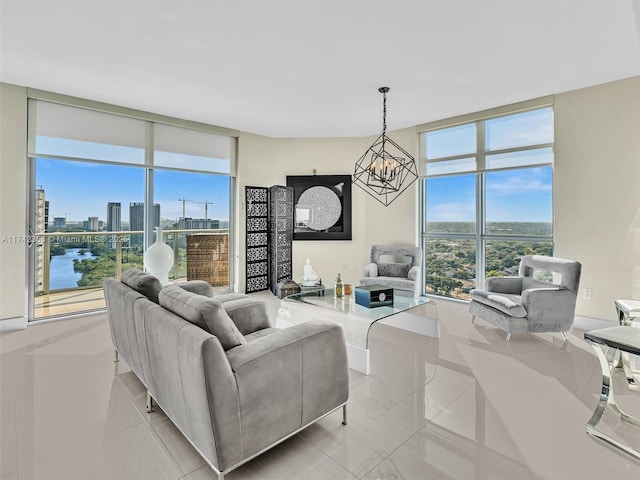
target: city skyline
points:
(79, 190)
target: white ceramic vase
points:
(158, 259)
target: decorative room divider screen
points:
(269, 236)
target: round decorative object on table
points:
(158, 259)
(323, 205)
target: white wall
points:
(267, 161)
(597, 190)
(13, 200)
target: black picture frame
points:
(340, 185)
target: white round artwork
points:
(323, 206)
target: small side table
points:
(623, 340)
(628, 311)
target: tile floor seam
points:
(143, 413)
(556, 450)
(392, 452)
(301, 475)
(14, 389)
(473, 451)
(166, 447)
(320, 452)
(115, 432)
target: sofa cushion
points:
(394, 269)
(260, 333)
(142, 282)
(507, 303)
(207, 313)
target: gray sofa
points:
(526, 303)
(238, 391)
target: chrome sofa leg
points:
(116, 358)
(565, 336)
(473, 320)
(344, 414)
(508, 336)
(149, 402)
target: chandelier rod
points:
(383, 91)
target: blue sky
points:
(81, 189)
(519, 195)
(523, 195)
(78, 190)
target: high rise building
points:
(92, 224)
(198, 224)
(195, 224)
(114, 220)
(114, 217)
(136, 221)
(59, 222)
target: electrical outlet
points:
(587, 293)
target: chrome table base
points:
(601, 346)
(628, 311)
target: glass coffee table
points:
(415, 314)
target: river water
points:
(62, 274)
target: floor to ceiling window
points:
(487, 192)
(101, 184)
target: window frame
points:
(481, 237)
(150, 119)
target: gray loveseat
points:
(235, 393)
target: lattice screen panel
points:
(257, 241)
(281, 234)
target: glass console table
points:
(417, 315)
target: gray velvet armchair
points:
(395, 266)
(527, 303)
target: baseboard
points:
(12, 324)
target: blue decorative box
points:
(374, 295)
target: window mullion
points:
(148, 187)
(494, 190)
(480, 205)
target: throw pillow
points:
(207, 313)
(394, 269)
(142, 282)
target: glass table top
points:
(356, 320)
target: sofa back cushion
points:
(143, 283)
(207, 313)
(394, 269)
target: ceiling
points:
(303, 68)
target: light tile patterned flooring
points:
(466, 406)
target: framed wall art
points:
(322, 206)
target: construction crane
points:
(184, 200)
(206, 208)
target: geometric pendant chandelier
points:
(386, 169)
